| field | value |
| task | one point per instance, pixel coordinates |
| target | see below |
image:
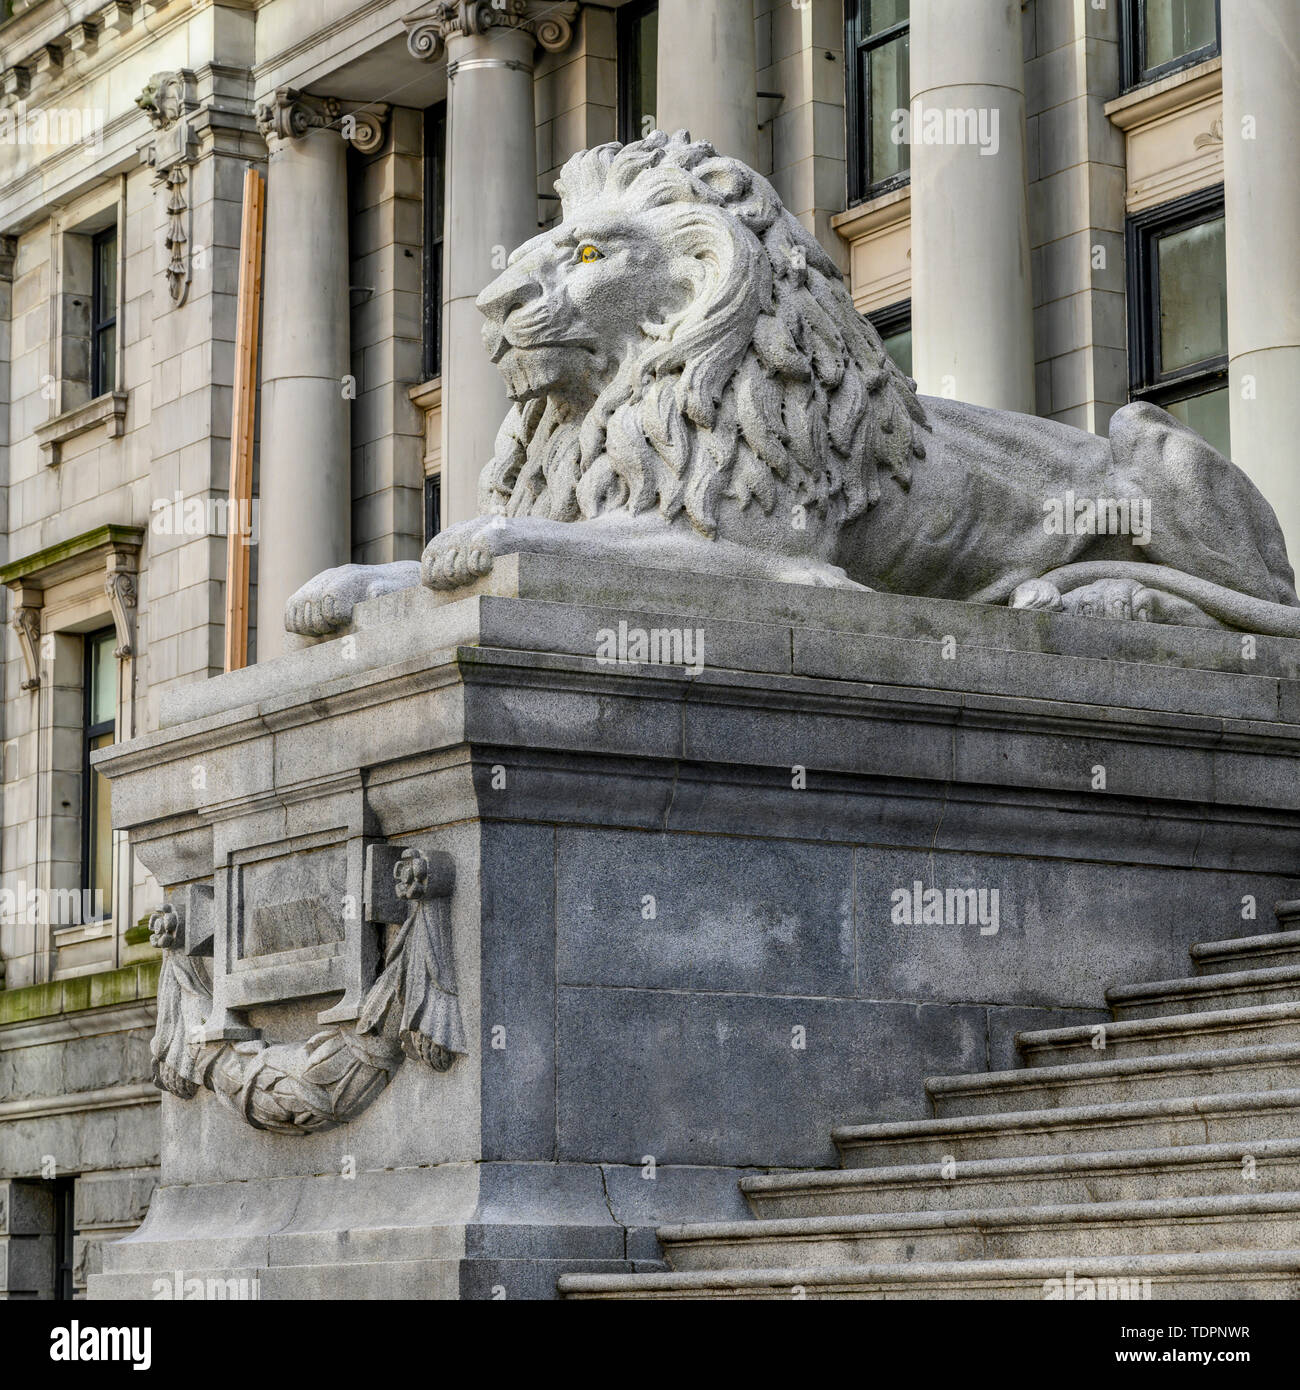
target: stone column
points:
(707, 82)
(491, 203)
(305, 467)
(972, 301)
(1261, 116)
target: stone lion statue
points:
(694, 389)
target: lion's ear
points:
(740, 191)
(727, 178)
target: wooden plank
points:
(239, 524)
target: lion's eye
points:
(589, 254)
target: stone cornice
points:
(429, 28)
(51, 47)
(78, 555)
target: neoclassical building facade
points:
(1056, 207)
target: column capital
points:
(430, 27)
(290, 114)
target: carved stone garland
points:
(167, 99)
(411, 1010)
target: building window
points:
(103, 313)
(432, 506)
(877, 86)
(65, 1237)
(1161, 36)
(638, 50)
(435, 188)
(1178, 312)
(894, 324)
(100, 684)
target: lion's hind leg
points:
(1118, 598)
(1153, 593)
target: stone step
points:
(1268, 1025)
(1237, 989)
(1249, 952)
(1254, 1221)
(1055, 1179)
(1242, 1117)
(1128, 1079)
(1271, 1274)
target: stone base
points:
(676, 918)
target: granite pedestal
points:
(684, 894)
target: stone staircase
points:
(1158, 1157)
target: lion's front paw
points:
(463, 553)
(324, 603)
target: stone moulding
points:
(411, 1010)
(107, 412)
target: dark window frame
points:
(629, 39)
(1132, 46)
(858, 44)
(90, 732)
(65, 1232)
(102, 316)
(435, 185)
(893, 318)
(432, 506)
(1143, 230)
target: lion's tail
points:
(1235, 610)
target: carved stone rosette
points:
(411, 1010)
(291, 114)
(429, 28)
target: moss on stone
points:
(119, 986)
(138, 934)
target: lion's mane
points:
(770, 387)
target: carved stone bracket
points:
(429, 27)
(168, 99)
(411, 1010)
(291, 114)
(120, 587)
(26, 622)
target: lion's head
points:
(678, 340)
